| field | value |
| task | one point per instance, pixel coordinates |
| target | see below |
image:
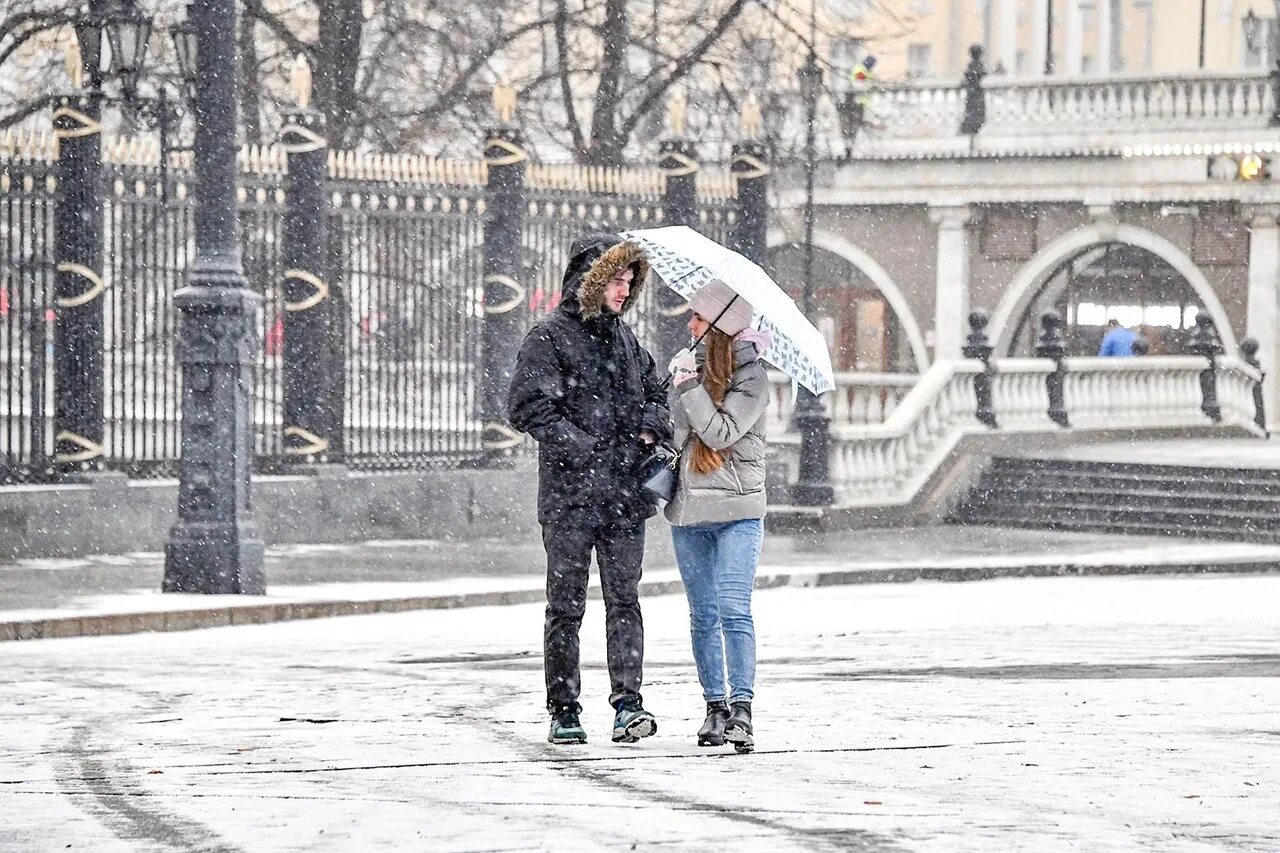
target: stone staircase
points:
(1235, 503)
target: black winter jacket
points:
(585, 388)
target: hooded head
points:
(593, 262)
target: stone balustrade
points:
(880, 464)
(1113, 112)
(859, 398)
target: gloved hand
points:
(683, 367)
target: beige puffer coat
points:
(735, 490)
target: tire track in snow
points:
(118, 801)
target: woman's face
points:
(697, 325)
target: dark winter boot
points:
(737, 730)
(565, 726)
(712, 731)
(632, 721)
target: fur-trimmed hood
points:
(594, 260)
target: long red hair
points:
(716, 374)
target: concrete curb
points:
(97, 625)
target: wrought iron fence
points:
(27, 187)
(406, 246)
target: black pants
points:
(619, 553)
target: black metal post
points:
(312, 370)
(1052, 344)
(677, 159)
(1204, 342)
(78, 366)
(751, 169)
(1249, 352)
(505, 302)
(214, 547)
(978, 345)
(975, 97)
(813, 486)
(1204, 17)
(1274, 121)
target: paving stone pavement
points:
(1116, 713)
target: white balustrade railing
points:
(1236, 381)
(1134, 392)
(930, 112)
(887, 463)
(859, 398)
(1018, 392)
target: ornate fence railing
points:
(395, 342)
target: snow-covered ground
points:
(1115, 713)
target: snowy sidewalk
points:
(1099, 714)
(118, 595)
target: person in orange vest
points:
(854, 109)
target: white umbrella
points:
(686, 260)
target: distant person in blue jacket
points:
(1118, 340)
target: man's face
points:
(617, 290)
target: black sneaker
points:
(565, 726)
(632, 721)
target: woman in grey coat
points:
(718, 398)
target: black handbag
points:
(659, 472)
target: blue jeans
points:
(718, 566)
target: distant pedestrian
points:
(853, 109)
(719, 396)
(1118, 341)
(588, 392)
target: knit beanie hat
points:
(712, 298)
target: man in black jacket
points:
(588, 392)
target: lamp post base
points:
(215, 559)
(814, 485)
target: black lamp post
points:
(214, 547)
(813, 487)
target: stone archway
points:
(1037, 272)
(878, 277)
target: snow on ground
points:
(1113, 713)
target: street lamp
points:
(813, 487)
(128, 32)
(183, 34)
(214, 547)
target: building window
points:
(845, 53)
(919, 60)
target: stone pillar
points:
(678, 162)
(1264, 299)
(951, 296)
(1039, 38)
(312, 370)
(79, 331)
(751, 170)
(1102, 8)
(1075, 39)
(505, 300)
(1008, 56)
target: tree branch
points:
(683, 66)
(562, 62)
